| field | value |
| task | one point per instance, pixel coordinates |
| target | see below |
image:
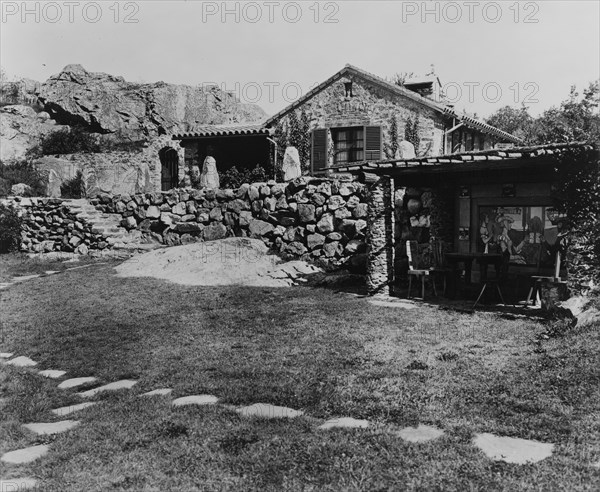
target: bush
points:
(234, 178)
(22, 172)
(74, 187)
(70, 141)
(10, 229)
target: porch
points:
(476, 204)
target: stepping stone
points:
(24, 277)
(17, 484)
(75, 382)
(158, 392)
(22, 361)
(422, 433)
(512, 449)
(195, 400)
(393, 304)
(117, 385)
(25, 455)
(52, 373)
(6, 355)
(345, 422)
(44, 429)
(268, 411)
(51, 272)
(62, 411)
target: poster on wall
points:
(526, 233)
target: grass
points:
(327, 353)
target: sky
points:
(486, 54)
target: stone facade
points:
(371, 105)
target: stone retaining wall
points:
(314, 218)
(50, 225)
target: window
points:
(348, 145)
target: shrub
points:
(74, 187)
(70, 141)
(233, 178)
(22, 172)
(10, 229)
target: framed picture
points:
(508, 190)
(463, 233)
(465, 191)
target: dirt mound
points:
(231, 261)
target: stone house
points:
(350, 116)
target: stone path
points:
(345, 422)
(52, 373)
(25, 455)
(512, 449)
(508, 449)
(21, 361)
(75, 382)
(49, 428)
(422, 433)
(63, 411)
(266, 410)
(17, 484)
(117, 385)
(195, 400)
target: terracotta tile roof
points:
(224, 130)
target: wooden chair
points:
(538, 280)
(494, 282)
(439, 262)
(415, 271)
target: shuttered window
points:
(372, 143)
(319, 150)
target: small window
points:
(348, 89)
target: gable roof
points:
(350, 70)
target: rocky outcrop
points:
(21, 129)
(108, 104)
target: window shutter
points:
(319, 150)
(372, 143)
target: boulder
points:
(360, 211)
(325, 225)
(209, 177)
(335, 202)
(295, 248)
(306, 212)
(259, 228)
(406, 150)
(315, 240)
(214, 231)
(291, 167)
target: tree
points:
(517, 122)
(575, 120)
(401, 78)
(391, 147)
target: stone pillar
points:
(380, 238)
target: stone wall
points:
(50, 225)
(314, 218)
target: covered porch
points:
(455, 208)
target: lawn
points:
(327, 353)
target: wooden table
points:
(483, 259)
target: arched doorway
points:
(169, 175)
